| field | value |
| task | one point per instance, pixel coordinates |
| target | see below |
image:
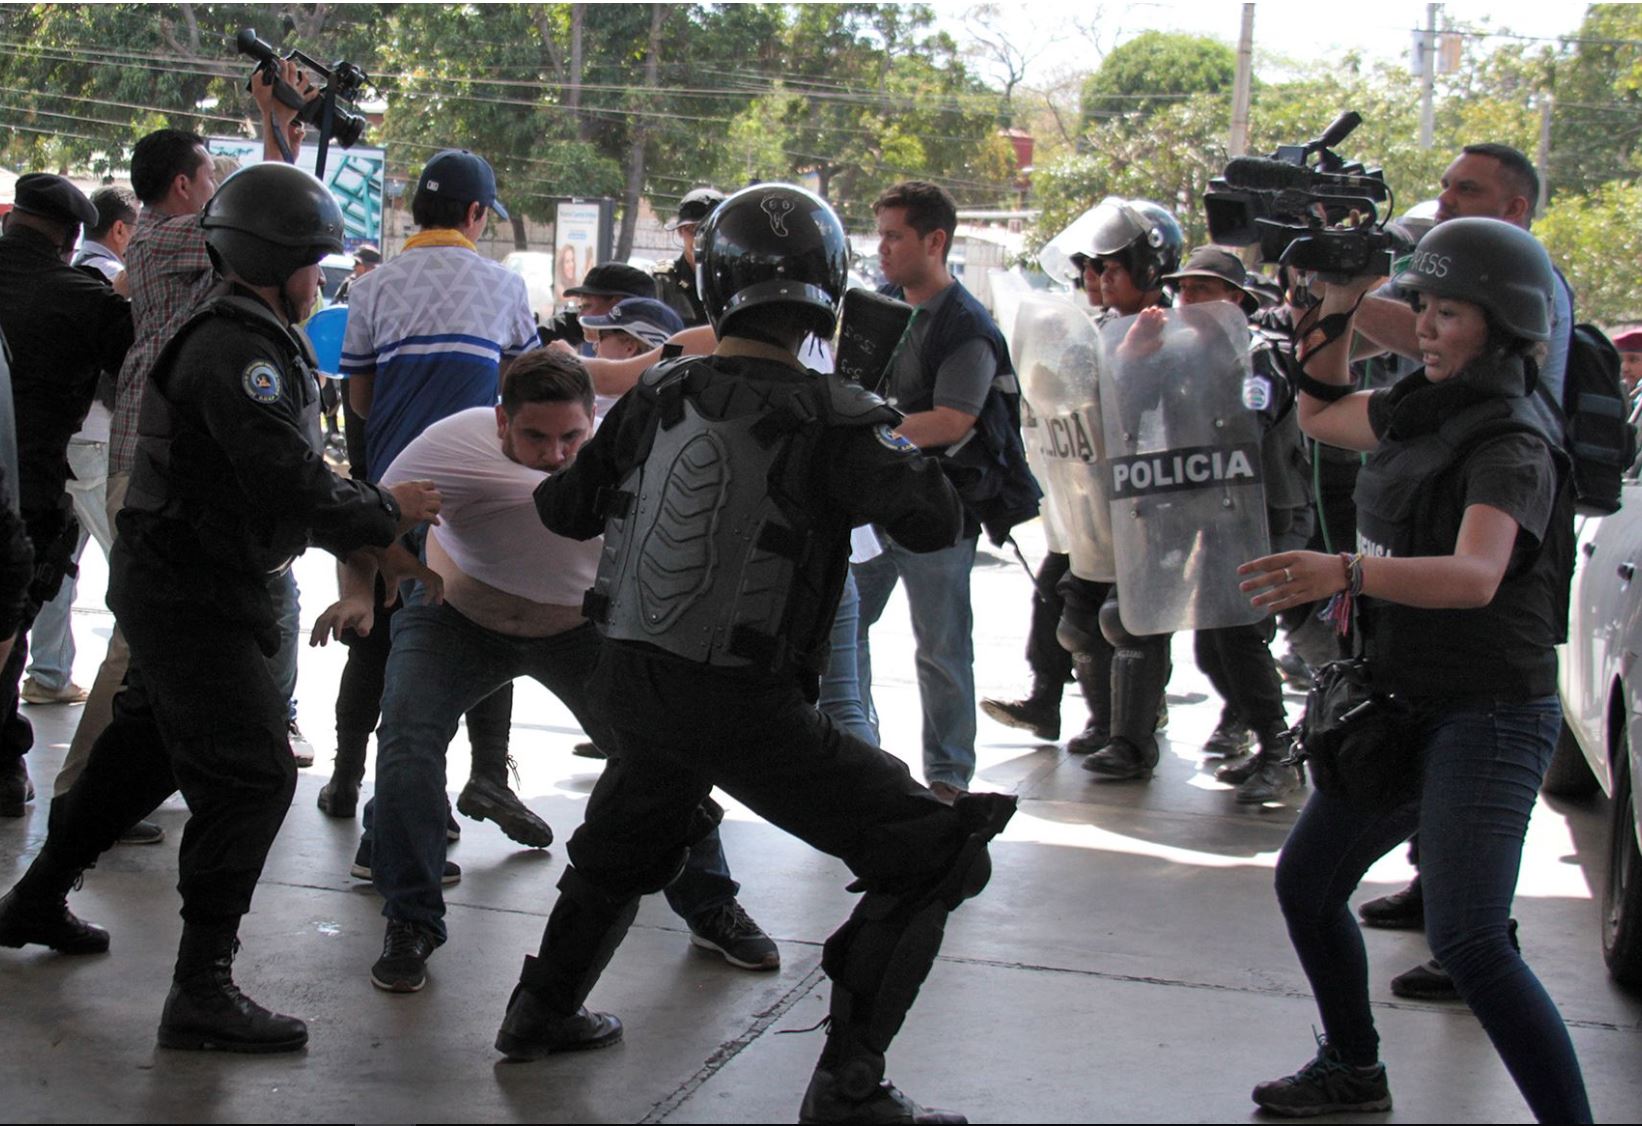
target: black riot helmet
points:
(1141, 235)
(770, 245)
(270, 220)
(1491, 263)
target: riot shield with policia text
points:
(1183, 469)
(1057, 355)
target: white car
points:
(1601, 687)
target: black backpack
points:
(1595, 411)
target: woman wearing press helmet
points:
(1464, 528)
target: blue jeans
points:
(937, 585)
(288, 611)
(1483, 763)
(442, 664)
(51, 637)
(840, 682)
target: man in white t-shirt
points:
(512, 606)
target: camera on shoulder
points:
(1306, 207)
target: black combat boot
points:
(487, 797)
(340, 796)
(16, 788)
(206, 1010)
(1039, 713)
(36, 912)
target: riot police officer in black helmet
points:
(753, 469)
(228, 487)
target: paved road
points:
(1126, 964)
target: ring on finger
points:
(1288, 575)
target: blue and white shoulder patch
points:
(261, 382)
(888, 438)
(1256, 392)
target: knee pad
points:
(1112, 627)
(1077, 631)
(619, 887)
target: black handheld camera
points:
(1324, 215)
(343, 82)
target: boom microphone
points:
(1263, 174)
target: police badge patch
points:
(1256, 392)
(890, 439)
(261, 382)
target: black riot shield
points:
(1183, 470)
(1057, 355)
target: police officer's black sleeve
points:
(117, 329)
(882, 479)
(222, 369)
(16, 567)
(568, 502)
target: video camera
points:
(343, 82)
(1323, 217)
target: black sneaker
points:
(1427, 981)
(1232, 737)
(1039, 716)
(1326, 1085)
(730, 932)
(587, 750)
(406, 947)
(1400, 911)
(1271, 781)
(16, 788)
(361, 869)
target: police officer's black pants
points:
(200, 713)
(1081, 600)
(681, 729)
(1048, 659)
(1237, 661)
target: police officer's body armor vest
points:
(1285, 465)
(712, 548)
(179, 475)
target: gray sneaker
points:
(1270, 781)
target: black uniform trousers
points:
(680, 729)
(1048, 659)
(200, 713)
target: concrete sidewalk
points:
(1127, 962)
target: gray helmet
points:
(1491, 263)
(270, 220)
(772, 244)
(1140, 234)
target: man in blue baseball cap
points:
(631, 327)
(430, 333)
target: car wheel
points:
(1568, 775)
(1622, 902)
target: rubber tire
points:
(1569, 775)
(1622, 899)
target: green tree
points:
(1596, 126)
(1154, 69)
(1596, 239)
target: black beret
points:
(52, 197)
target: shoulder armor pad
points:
(665, 371)
(850, 404)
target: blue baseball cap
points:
(462, 175)
(650, 320)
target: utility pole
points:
(1238, 144)
(1428, 77)
(1544, 155)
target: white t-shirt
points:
(489, 526)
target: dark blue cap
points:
(650, 320)
(461, 175)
